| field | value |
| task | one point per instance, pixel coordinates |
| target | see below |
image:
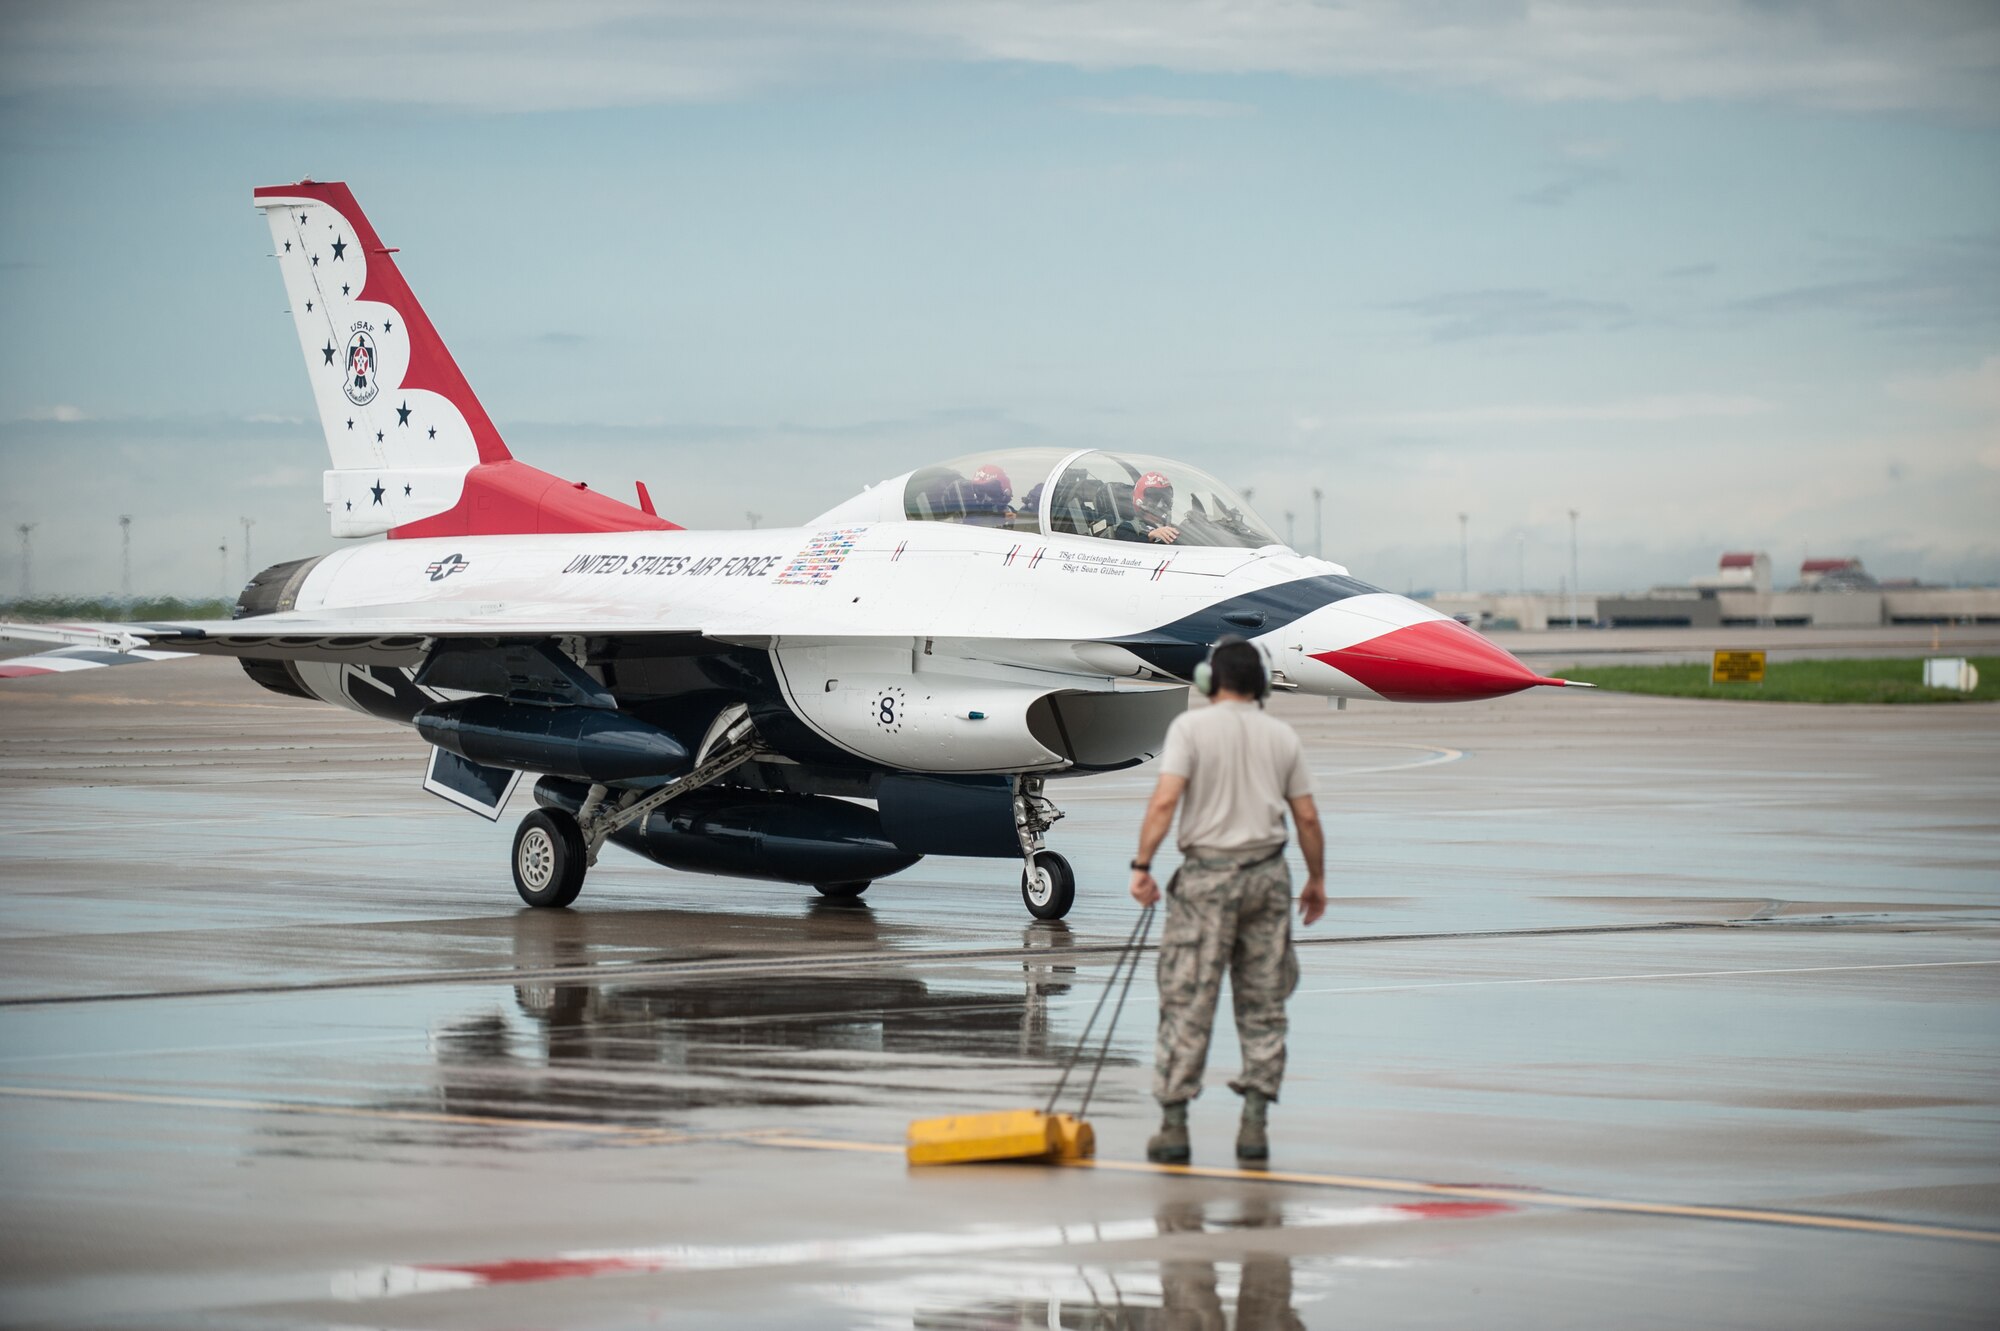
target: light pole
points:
(27, 530)
(1521, 563)
(1572, 568)
(1290, 539)
(1319, 532)
(755, 518)
(223, 550)
(248, 523)
(1465, 552)
(125, 555)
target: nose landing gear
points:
(1048, 886)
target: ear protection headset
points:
(1204, 674)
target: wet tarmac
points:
(1633, 1012)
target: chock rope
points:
(1128, 962)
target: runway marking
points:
(779, 1138)
(1438, 755)
(1529, 1197)
(69, 829)
(308, 1109)
(114, 701)
(1136, 999)
(411, 1036)
(1434, 755)
(632, 971)
(1642, 975)
(395, 1281)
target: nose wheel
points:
(1048, 886)
(549, 858)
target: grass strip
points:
(1867, 680)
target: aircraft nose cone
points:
(1438, 660)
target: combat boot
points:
(1169, 1146)
(1253, 1147)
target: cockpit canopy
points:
(1111, 496)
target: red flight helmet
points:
(1154, 494)
(991, 484)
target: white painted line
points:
(1645, 975)
(416, 1035)
(1601, 979)
(388, 1282)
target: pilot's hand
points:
(1145, 890)
(1164, 535)
(1312, 901)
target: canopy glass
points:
(1113, 496)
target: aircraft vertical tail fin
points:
(414, 453)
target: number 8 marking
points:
(888, 711)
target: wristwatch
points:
(1142, 868)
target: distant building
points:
(1739, 571)
(1834, 575)
(1831, 593)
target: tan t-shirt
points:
(1242, 765)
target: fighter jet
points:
(902, 676)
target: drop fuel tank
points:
(781, 837)
(592, 743)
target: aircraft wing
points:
(79, 647)
(378, 635)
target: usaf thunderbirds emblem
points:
(360, 380)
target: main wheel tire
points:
(842, 891)
(1051, 890)
(548, 858)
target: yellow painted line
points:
(829, 1144)
(777, 1137)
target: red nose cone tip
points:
(1439, 660)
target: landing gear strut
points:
(553, 850)
(1048, 887)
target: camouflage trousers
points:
(1225, 918)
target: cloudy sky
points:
(1717, 274)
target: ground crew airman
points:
(1231, 769)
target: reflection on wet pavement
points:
(1190, 1295)
(650, 1051)
(1207, 1275)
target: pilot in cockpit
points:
(1153, 511)
(989, 497)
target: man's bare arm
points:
(1159, 817)
(1312, 844)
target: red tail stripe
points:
(514, 499)
(503, 497)
(431, 367)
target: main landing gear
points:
(549, 858)
(1048, 886)
(553, 849)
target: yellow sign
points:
(1737, 668)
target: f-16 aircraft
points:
(902, 676)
